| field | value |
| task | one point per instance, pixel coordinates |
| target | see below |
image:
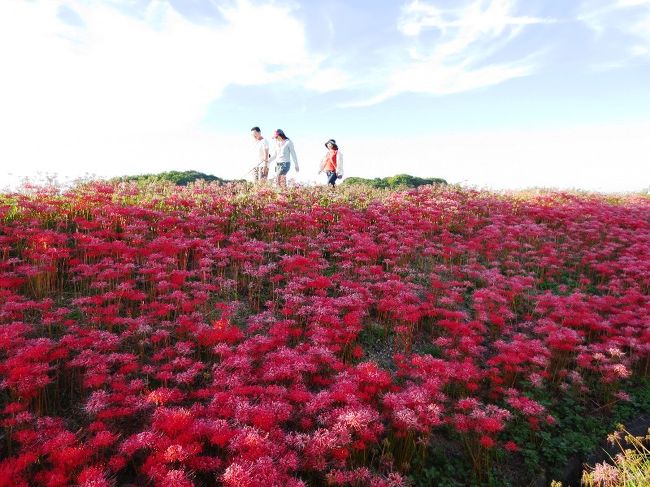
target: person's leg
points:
(282, 174)
(331, 178)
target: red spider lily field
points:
(244, 336)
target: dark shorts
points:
(282, 168)
(331, 177)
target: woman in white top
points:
(284, 152)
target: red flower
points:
(511, 446)
(487, 442)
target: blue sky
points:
(491, 93)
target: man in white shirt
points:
(261, 170)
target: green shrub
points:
(179, 178)
(397, 181)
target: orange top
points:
(330, 161)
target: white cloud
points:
(497, 16)
(630, 18)
(458, 59)
(632, 3)
(115, 87)
(124, 73)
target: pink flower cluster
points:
(222, 334)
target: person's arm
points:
(267, 152)
(292, 152)
(322, 164)
(274, 155)
(339, 164)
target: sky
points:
(500, 94)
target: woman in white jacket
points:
(284, 152)
(332, 163)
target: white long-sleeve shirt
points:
(284, 152)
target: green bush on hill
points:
(397, 181)
(179, 178)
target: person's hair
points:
(256, 129)
(280, 133)
(332, 142)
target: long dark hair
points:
(280, 133)
(331, 142)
